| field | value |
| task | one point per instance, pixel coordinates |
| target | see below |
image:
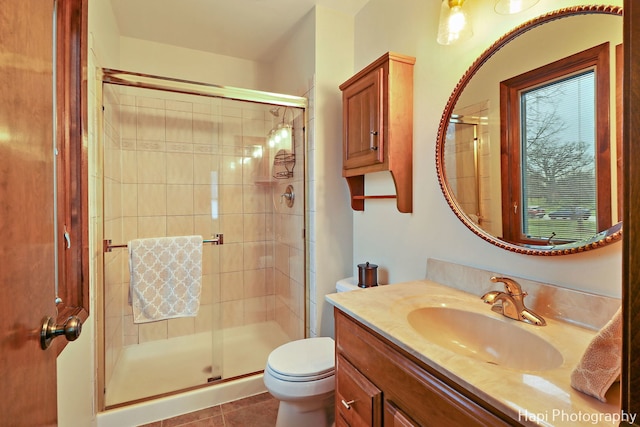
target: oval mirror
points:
(529, 148)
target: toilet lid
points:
(310, 358)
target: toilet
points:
(301, 375)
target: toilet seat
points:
(302, 379)
(303, 360)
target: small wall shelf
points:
(356, 188)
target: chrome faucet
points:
(510, 303)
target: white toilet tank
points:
(346, 285)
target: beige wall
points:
(332, 237)
(143, 56)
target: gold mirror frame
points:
(601, 239)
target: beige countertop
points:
(534, 398)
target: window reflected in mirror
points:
(556, 162)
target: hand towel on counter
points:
(600, 364)
(166, 275)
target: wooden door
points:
(27, 269)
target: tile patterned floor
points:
(256, 411)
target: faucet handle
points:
(511, 286)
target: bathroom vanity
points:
(409, 393)
(394, 370)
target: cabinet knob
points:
(348, 404)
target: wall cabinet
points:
(377, 108)
(378, 384)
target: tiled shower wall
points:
(180, 165)
(289, 241)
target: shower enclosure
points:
(183, 158)
(469, 167)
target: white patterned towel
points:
(166, 275)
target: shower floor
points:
(164, 366)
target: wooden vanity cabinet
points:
(359, 402)
(378, 384)
(394, 417)
(377, 108)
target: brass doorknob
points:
(71, 329)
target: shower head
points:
(275, 111)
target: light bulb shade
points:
(509, 7)
(454, 25)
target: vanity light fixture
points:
(454, 25)
(509, 7)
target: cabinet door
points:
(363, 143)
(394, 417)
(358, 401)
(340, 421)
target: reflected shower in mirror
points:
(499, 163)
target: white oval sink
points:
(485, 338)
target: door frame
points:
(72, 161)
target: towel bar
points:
(107, 246)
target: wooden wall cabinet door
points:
(377, 109)
(363, 144)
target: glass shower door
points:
(159, 172)
(183, 164)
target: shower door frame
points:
(147, 81)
